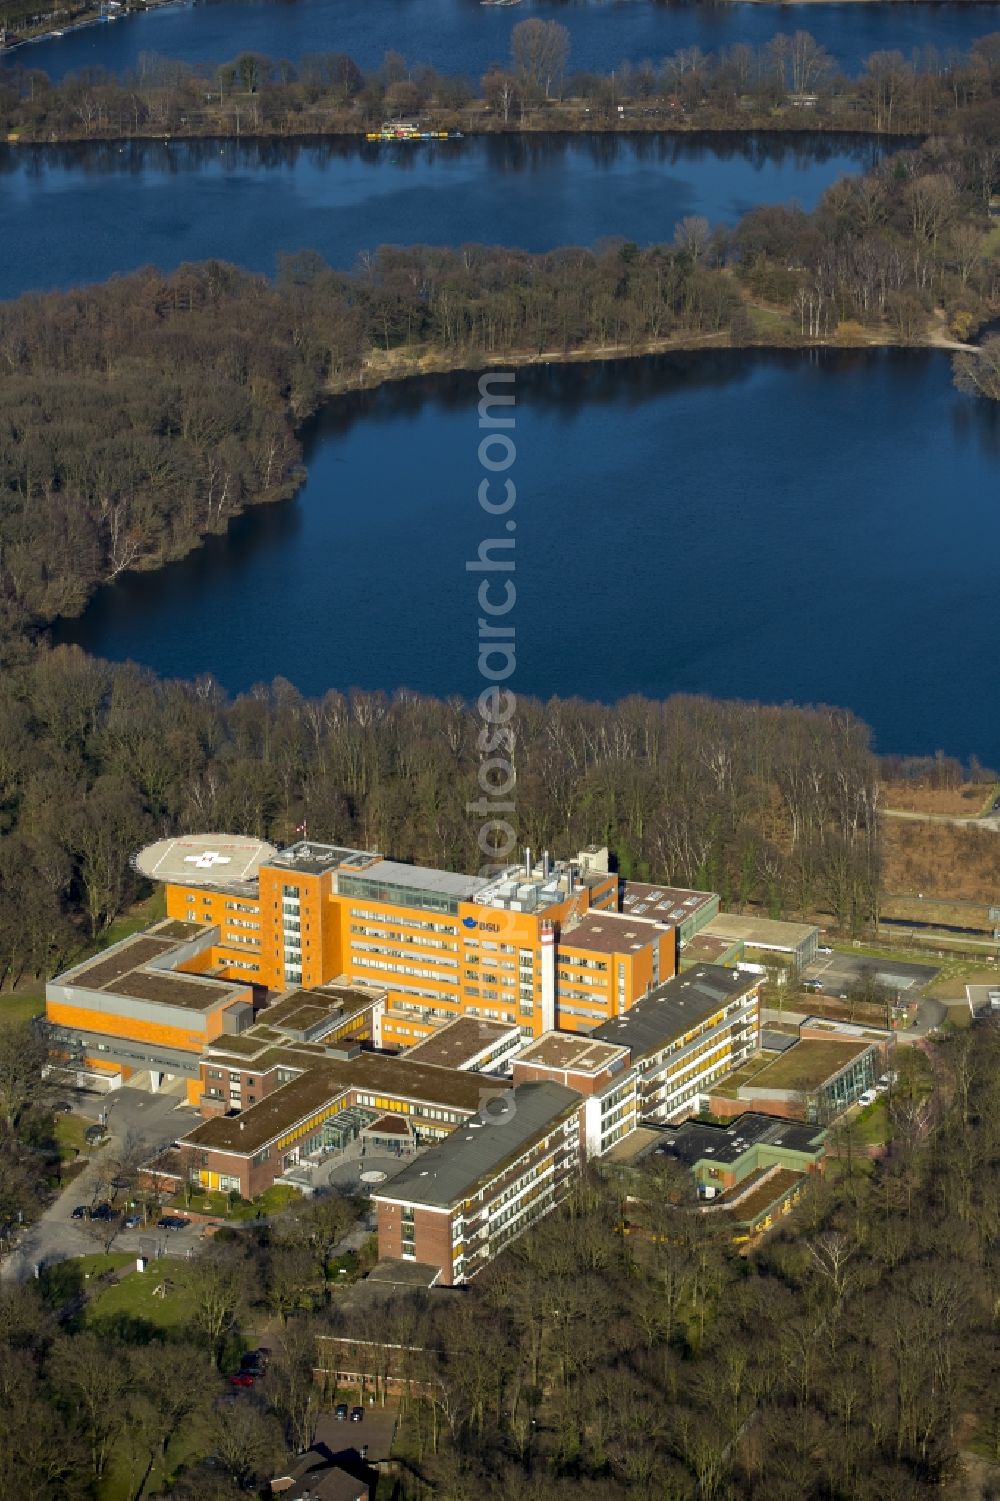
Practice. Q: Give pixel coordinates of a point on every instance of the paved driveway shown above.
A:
(839, 972)
(153, 1120)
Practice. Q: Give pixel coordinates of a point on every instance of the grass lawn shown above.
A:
(64, 1279)
(837, 1170)
(767, 320)
(728, 1086)
(991, 245)
(69, 1137)
(959, 1016)
(22, 1005)
(272, 1201)
(956, 974)
(889, 953)
(125, 1467)
(134, 1296)
(344, 1269)
(940, 913)
(873, 1124)
(136, 918)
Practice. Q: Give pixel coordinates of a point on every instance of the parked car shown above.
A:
(93, 1135)
(132, 1221)
(253, 1364)
(62, 1107)
(357, 1414)
(340, 1412)
(104, 1212)
(172, 1222)
(812, 985)
(242, 1378)
(868, 1098)
(81, 1212)
(824, 948)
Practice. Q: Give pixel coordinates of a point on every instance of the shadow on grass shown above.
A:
(126, 1329)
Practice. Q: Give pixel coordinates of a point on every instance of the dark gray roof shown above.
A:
(472, 1153)
(673, 1008)
(776, 1042)
(695, 1140)
(314, 859)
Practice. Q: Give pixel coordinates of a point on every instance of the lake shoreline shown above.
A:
(395, 367)
(51, 33)
(533, 129)
(585, 431)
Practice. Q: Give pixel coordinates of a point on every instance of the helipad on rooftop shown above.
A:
(204, 859)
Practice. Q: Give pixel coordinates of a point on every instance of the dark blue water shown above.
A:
(462, 36)
(75, 214)
(782, 526)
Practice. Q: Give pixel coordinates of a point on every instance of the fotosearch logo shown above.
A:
(496, 596)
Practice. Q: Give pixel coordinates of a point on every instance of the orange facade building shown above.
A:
(542, 945)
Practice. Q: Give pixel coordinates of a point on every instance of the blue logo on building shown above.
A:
(469, 922)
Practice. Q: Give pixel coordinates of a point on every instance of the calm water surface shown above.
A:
(463, 36)
(789, 527)
(76, 214)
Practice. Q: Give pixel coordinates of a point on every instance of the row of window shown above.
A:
(428, 974)
(403, 1107)
(424, 924)
(444, 960)
(395, 935)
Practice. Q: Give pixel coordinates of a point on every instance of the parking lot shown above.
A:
(841, 973)
(152, 1120)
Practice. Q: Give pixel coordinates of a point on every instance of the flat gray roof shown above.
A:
(421, 878)
(761, 932)
(315, 858)
(474, 1153)
(669, 904)
(674, 1008)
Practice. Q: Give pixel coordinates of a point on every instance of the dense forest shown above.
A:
(112, 1404)
(850, 1355)
(139, 415)
(790, 82)
(775, 805)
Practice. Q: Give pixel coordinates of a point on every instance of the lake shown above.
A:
(76, 214)
(790, 526)
(463, 36)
